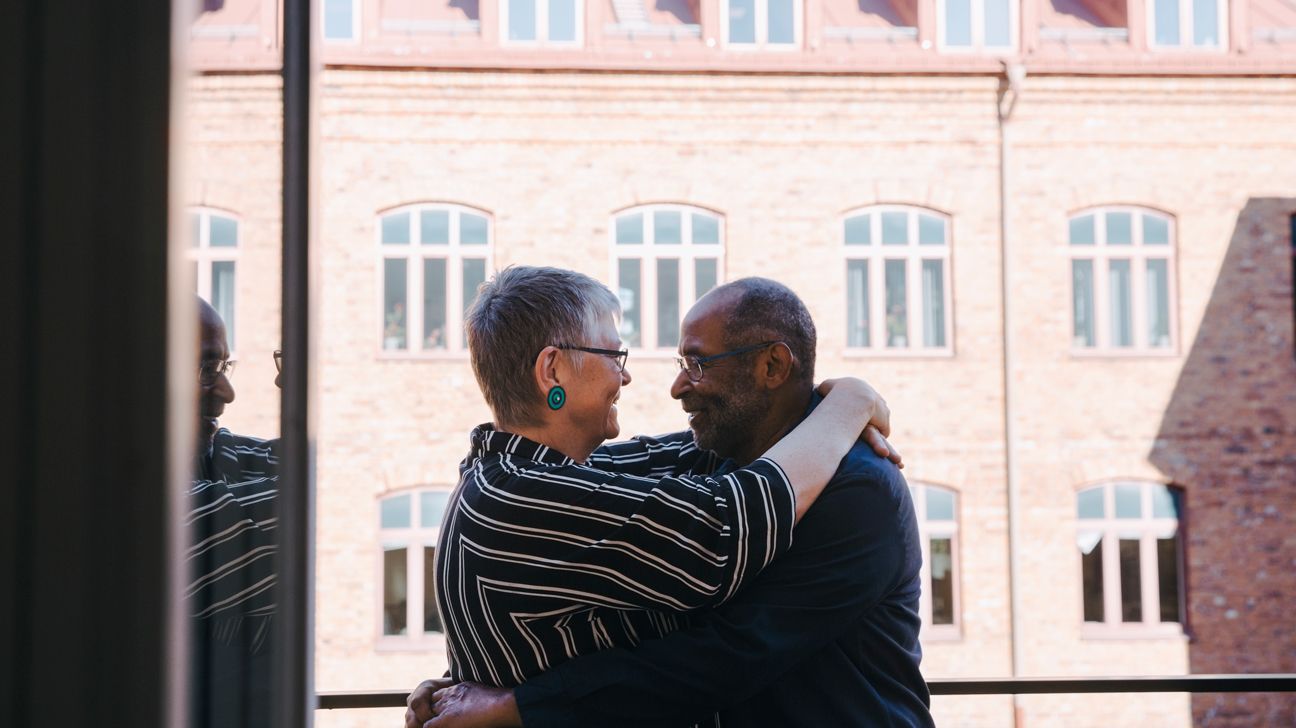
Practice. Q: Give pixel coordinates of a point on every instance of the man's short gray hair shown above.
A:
(766, 310)
(517, 313)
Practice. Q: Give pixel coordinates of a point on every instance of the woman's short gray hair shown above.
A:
(518, 312)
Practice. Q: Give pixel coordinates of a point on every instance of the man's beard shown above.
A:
(725, 422)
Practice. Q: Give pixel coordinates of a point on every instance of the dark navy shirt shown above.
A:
(827, 635)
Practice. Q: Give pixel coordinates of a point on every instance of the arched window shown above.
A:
(1131, 556)
(937, 511)
(409, 525)
(897, 280)
(664, 257)
(434, 256)
(1122, 280)
(214, 244)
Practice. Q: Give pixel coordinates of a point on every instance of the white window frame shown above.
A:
(1138, 254)
(414, 254)
(1186, 28)
(1147, 529)
(414, 540)
(204, 255)
(542, 27)
(978, 29)
(927, 530)
(356, 15)
(649, 252)
(913, 253)
(762, 28)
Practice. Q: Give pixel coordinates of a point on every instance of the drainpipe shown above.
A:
(1009, 91)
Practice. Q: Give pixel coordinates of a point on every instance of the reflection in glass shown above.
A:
(562, 20)
(1089, 504)
(1158, 302)
(224, 232)
(1168, 578)
(1165, 502)
(942, 581)
(1167, 22)
(1120, 228)
(706, 229)
(431, 617)
(1156, 230)
(897, 317)
(472, 229)
(704, 276)
(857, 303)
(1082, 230)
(629, 290)
(339, 19)
(742, 21)
(781, 21)
(396, 229)
(629, 229)
(1082, 303)
(1119, 303)
(432, 505)
(940, 504)
(395, 512)
(998, 27)
(222, 295)
(931, 230)
(858, 230)
(667, 227)
(434, 303)
(668, 304)
(434, 227)
(1091, 564)
(395, 589)
(1129, 500)
(1131, 581)
(521, 19)
(958, 22)
(895, 228)
(474, 274)
(393, 303)
(1205, 23)
(933, 290)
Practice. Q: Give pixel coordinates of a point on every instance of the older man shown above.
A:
(827, 635)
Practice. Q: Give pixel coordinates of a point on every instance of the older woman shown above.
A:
(551, 548)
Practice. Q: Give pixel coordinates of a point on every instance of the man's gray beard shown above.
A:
(732, 419)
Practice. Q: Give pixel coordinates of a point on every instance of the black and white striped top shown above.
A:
(542, 559)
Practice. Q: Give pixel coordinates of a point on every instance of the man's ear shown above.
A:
(546, 369)
(777, 366)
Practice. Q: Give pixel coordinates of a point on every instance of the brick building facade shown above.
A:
(1074, 287)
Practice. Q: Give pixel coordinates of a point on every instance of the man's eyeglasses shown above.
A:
(209, 370)
(278, 360)
(694, 365)
(619, 356)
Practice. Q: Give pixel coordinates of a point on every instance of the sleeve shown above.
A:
(847, 559)
(654, 457)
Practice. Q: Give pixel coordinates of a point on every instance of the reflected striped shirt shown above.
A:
(542, 559)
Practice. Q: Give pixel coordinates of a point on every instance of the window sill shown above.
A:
(405, 643)
(1093, 632)
(897, 353)
(453, 356)
(1171, 352)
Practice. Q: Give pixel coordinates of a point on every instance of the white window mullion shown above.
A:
(913, 297)
(414, 301)
(414, 589)
(1102, 315)
(1139, 301)
(877, 302)
(648, 296)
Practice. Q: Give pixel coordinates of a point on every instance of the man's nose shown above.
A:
(223, 389)
(625, 377)
(682, 385)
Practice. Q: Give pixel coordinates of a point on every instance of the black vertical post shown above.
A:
(295, 689)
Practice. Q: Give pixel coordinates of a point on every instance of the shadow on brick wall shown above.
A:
(1229, 439)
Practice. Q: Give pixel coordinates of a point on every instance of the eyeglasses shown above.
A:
(209, 370)
(693, 365)
(278, 360)
(619, 356)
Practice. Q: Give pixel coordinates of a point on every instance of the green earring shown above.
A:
(557, 398)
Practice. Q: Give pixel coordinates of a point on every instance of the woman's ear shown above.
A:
(546, 368)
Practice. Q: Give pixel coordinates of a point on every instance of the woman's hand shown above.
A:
(879, 425)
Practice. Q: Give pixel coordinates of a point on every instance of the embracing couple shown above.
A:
(657, 581)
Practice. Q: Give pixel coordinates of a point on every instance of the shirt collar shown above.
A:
(486, 440)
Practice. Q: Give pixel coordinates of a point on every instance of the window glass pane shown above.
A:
(897, 318)
(395, 511)
(474, 274)
(432, 505)
(1130, 581)
(1165, 502)
(1156, 230)
(222, 295)
(958, 22)
(704, 276)
(1167, 22)
(1089, 504)
(931, 230)
(933, 282)
(338, 20)
(629, 229)
(1091, 566)
(224, 232)
(1120, 228)
(434, 303)
(1082, 230)
(1205, 23)
(396, 229)
(1082, 303)
(706, 229)
(521, 19)
(1158, 303)
(667, 227)
(942, 581)
(562, 20)
(1122, 328)
(1129, 501)
(394, 303)
(858, 230)
(857, 303)
(668, 307)
(431, 617)
(742, 21)
(434, 227)
(895, 228)
(629, 288)
(472, 229)
(395, 588)
(781, 22)
(1168, 578)
(998, 27)
(195, 229)
(940, 505)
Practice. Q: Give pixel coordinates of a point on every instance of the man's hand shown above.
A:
(879, 425)
(444, 704)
